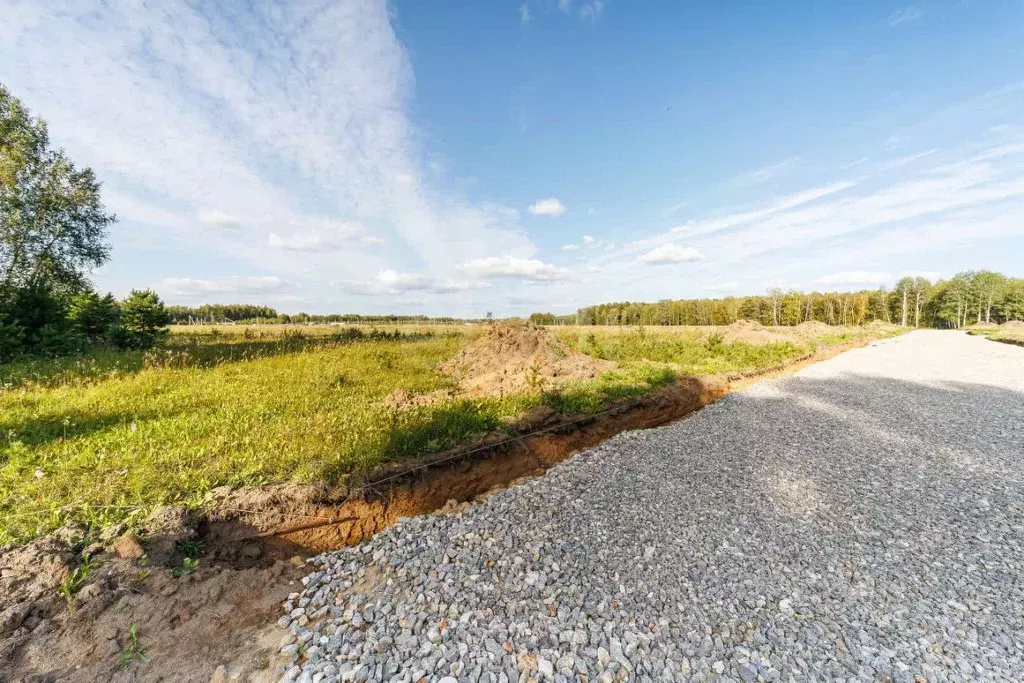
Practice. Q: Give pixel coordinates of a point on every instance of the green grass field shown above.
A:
(108, 436)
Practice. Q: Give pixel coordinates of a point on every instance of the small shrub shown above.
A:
(143, 322)
(714, 342)
(76, 579)
(134, 652)
(188, 566)
(190, 548)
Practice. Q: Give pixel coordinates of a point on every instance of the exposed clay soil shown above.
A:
(187, 625)
(517, 355)
(813, 327)
(752, 333)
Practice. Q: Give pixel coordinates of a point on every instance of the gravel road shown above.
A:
(861, 520)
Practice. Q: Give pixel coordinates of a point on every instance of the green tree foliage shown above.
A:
(968, 297)
(53, 229)
(143, 321)
(1011, 307)
(53, 226)
(219, 313)
(93, 316)
(542, 318)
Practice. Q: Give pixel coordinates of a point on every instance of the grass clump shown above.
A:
(75, 579)
(133, 651)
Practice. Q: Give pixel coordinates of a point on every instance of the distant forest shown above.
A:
(248, 313)
(970, 297)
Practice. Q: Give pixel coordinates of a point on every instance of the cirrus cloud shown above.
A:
(233, 284)
(670, 253)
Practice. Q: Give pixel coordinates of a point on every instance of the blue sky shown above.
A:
(465, 156)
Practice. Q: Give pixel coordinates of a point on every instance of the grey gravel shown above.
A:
(861, 520)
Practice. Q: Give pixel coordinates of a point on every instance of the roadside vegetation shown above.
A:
(107, 436)
(1011, 332)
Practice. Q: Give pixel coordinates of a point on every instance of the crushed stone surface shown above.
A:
(860, 520)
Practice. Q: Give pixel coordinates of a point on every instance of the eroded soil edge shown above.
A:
(289, 519)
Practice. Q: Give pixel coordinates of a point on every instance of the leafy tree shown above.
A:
(53, 226)
(1011, 307)
(902, 294)
(143, 320)
(988, 287)
(921, 288)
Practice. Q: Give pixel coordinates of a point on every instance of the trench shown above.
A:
(269, 523)
(257, 526)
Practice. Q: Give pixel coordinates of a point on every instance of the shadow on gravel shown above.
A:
(853, 449)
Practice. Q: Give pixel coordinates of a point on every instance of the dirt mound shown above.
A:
(515, 356)
(751, 332)
(813, 327)
(1013, 325)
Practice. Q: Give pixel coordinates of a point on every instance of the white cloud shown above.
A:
(217, 217)
(524, 13)
(855, 277)
(907, 14)
(331, 237)
(512, 267)
(213, 287)
(588, 242)
(722, 287)
(547, 207)
(283, 117)
(391, 281)
(670, 253)
(565, 5)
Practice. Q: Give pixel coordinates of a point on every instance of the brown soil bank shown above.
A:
(516, 355)
(287, 517)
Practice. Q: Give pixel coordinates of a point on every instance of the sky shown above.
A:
(460, 157)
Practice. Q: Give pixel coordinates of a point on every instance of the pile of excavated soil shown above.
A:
(813, 327)
(1013, 325)
(752, 332)
(515, 356)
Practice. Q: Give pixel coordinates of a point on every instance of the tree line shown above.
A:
(969, 297)
(265, 315)
(53, 230)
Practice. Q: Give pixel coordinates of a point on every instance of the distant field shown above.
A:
(107, 436)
